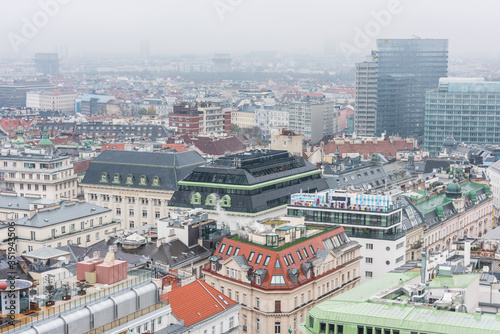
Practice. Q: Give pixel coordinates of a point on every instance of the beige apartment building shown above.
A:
(57, 225)
(280, 274)
(37, 175)
(282, 139)
(243, 119)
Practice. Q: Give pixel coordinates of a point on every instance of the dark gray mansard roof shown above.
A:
(169, 167)
(267, 166)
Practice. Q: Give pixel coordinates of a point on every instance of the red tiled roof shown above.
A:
(366, 149)
(14, 123)
(81, 166)
(197, 301)
(219, 147)
(282, 269)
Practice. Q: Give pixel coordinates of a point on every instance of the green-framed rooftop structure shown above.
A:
(376, 308)
(249, 183)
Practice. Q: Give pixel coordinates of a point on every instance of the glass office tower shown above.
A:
(467, 109)
(406, 69)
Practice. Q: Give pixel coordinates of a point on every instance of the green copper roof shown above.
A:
(354, 308)
(456, 281)
(405, 318)
(375, 286)
(454, 188)
(432, 203)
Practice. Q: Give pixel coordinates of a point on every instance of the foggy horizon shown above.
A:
(240, 27)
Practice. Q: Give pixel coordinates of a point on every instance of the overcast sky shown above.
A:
(205, 27)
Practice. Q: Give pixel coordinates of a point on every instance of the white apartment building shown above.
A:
(37, 175)
(57, 225)
(61, 100)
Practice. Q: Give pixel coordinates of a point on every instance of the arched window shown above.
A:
(210, 200)
(130, 179)
(117, 178)
(104, 177)
(156, 181)
(225, 201)
(196, 198)
(143, 180)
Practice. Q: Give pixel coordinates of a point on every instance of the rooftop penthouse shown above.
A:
(362, 215)
(250, 182)
(283, 253)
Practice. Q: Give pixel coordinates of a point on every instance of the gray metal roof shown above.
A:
(67, 211)
(45, 253)
(16, 202)
(169, 167)
(241, 262)
(494, 234)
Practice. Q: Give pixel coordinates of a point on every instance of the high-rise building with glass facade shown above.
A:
(406, 69)
(467, 109)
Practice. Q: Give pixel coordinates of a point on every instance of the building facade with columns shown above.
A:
(137, 186)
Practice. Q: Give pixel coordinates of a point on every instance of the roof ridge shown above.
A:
(210, 294)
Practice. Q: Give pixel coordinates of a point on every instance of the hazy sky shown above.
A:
(238, 26)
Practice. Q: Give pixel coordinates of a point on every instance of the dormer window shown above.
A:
(130, 179)
(143, 180)
(196, 198)
(225, 201)
(257, 280)
(116, 178)
(156, 181)
(104, 177)
(210, 201)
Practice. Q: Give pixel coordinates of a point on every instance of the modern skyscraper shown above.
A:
(47, 63)
(467, 109)
(406, 69)
(365, 123)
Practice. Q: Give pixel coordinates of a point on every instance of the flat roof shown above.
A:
(375, 286)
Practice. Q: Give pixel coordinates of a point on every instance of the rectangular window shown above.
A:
(229, 250)
(221, 250)
(257, 324)
(266, 261)
(277, 328)
(305, 252)
(369, 260)
(291, 258)
(399, 259)
(312, 250)
(144, 213)
(368, 274)
(257, 302)
(286, 260)
(259, 257)
(401, 244)
(250, 257)
(300, 255)
(369, 246)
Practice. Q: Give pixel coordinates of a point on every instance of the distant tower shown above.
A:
(222, 63)
(47, 63)
(145, 48)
